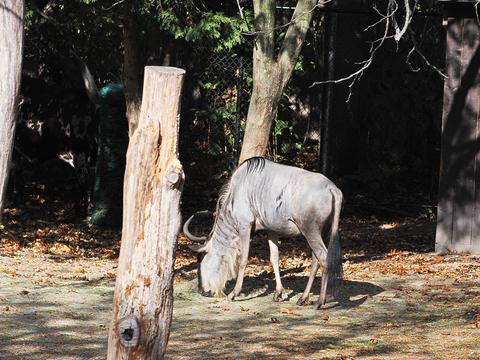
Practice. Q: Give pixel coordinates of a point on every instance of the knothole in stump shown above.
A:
(129, 331)
(175, 177)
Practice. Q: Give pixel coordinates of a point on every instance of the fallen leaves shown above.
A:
(60, 249)
(45, 232)
(9, 271)
(406, 263)
(289, 311)
(109, 275)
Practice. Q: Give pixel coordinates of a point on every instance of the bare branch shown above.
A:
(382, 17)
(412, 50)
(374, 47)
(296, 18)
(111, 7)
(388, 19)
(240, 10)
(408, 18)
(423, 57)
(477, 2)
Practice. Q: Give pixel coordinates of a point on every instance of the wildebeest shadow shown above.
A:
(352, 293)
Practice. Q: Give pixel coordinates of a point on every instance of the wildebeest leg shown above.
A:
(244, 247)
(314, 238)
(322, 299)
(313, 272)
(273, 244)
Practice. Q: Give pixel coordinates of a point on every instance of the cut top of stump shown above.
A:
(168, 70)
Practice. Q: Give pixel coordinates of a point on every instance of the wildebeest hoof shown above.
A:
(318, 306)
(302, 301)
(231, 296)
(327, 304)
(205, 293)
(277, 296)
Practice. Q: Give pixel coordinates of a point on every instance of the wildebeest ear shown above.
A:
(198, 248)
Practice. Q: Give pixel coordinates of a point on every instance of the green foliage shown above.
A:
(93, 30)
(168, 21)
(221, 112)
(81, 26)
(213, 30)
(285, 138)
(299, 64)
(28, 17)
(218, 31)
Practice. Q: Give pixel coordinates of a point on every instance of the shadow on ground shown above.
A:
(68, 321)
(370, 322)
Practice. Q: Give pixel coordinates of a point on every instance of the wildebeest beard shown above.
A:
(221, 261)
(200, 257)
(216, 270)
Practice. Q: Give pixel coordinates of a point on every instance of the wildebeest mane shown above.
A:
(224, 239)
(255, 164)
(223, 194)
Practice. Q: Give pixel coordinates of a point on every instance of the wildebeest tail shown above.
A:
(334, 268)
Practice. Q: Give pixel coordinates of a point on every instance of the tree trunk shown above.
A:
(11, 47)
(261, 114)
(329, 71)
(270, 73)
(142, 305)
(132, 68)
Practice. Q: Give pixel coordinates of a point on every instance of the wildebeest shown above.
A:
(284, 200)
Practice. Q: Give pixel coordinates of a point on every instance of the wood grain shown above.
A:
(151, 222)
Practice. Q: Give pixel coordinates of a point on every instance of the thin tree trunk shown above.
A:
(132, 68)
(11, 48)
(143, 301)
(271, 73)
(261, 114)
(327, 112)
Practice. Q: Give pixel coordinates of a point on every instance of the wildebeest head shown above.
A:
(218, 260)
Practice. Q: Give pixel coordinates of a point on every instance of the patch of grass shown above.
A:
(103, 291)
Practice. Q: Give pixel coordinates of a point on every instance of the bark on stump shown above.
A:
(143, 301)
(11, 46)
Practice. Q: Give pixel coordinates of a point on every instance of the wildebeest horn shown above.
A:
(197, 248)
(188, 234)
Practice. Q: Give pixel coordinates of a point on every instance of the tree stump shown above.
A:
(143, 301)
(11, 47)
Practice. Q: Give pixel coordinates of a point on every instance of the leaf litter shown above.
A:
(394, 283)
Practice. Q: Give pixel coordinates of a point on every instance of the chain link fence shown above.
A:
(227, 87)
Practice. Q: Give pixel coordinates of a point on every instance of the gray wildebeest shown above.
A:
(283, 200)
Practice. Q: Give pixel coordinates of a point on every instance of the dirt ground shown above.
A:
(399, 301)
